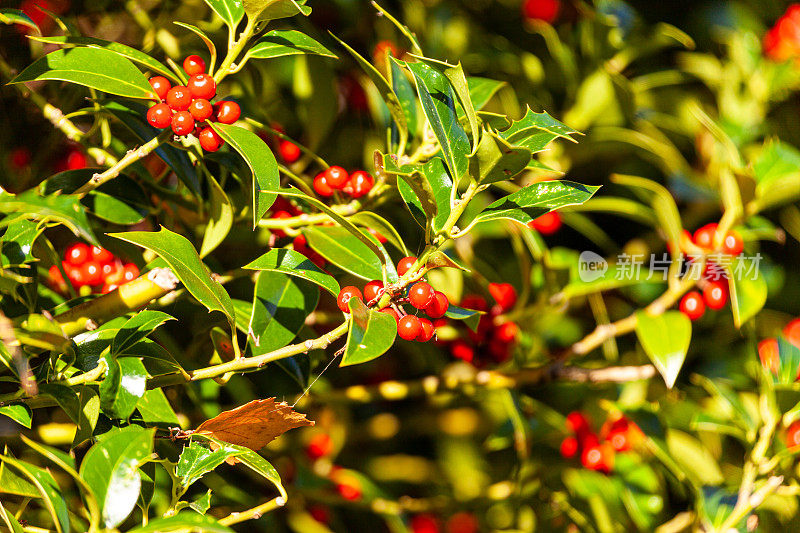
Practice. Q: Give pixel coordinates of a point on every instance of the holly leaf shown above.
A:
(124, 384)
(295, 264)
(281, 43)
(230, 11)
(665, 339)
(370, 335)
(535, 200)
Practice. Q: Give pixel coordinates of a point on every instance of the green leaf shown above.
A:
(254, 461)
(262, 163)
(13, 482)
(128, 52)
(17, 242)
(430, 185)
(220, 218)
(470, 317)
(66, 398)
(341, 248)
(181, 256)
(404, 91)
(788, 361)
(275, 9)
(694, 458)
(16, 16)
(385, 89)
(663, 203)
(747, 287)
(112, 209)
(19, 413)
(89, 402)
(280, 43)
(47, 488)
(203, 503)
(370, 335)
(776, 161)
(536, 130)
(96, 68)
(111, 468)
(535, 200)
(497, 160)
(124, 384)
(155, 409)
(197, 460)
(368, 219)
(481, 90)
(66, 210)
(137, 328)
(212, 48)
(280, 307)
(230, 11)
(11, 523)
(438, 104)
(188, 520)
(295, 264)
(665, 339)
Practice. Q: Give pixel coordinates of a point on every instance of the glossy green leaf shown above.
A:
(203, 503)
(253, 461)
(230, 11)
(155, 410)
(8, 519)
(275, 9)
(181, 256)
(368, 219)
(535, 131)
(385, 89)
(295, 264)
(404, 91)
(48, 489)
(280, 308)
(481, 90)
(96, 68)
(788, 361)
(66, 210)
(197, 459)
(430, 185)
(14, 482)
(19, 413)
(111, 468)
(112, 209)
(665, 339)
(370, 335)
(187, 520)
(124, 384)
(89, 402)
(261, 161)
(220, 218)
(497, 160)
(776, 161)
(16, 16)
(470, 317)
(280, 43)
(66, 398)
(747, 287)
(535, 200)
(16, 244)
(341, 248)
(438, 104)
(137, 328)
(128, 52)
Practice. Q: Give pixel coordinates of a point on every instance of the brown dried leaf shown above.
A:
(254, 424)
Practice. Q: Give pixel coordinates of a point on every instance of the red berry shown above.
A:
(769, 354)
(599, 457)
(320, 514)
(475, 302)
(392, 312)
(201, 109)
(336, 177)
(228, 112)
(692, 305)
(321, 186)
(424, 523)
(359, 184)
(350, 490)
(460, 349)
(793, 435)
(114, 273)
(547, 224)
(161, 86)
(463, 522)
(194, 65)
(130, 272)
(504, 294)
(210, 140)
(438, 306)
(344, 297)
(20, 158)
(578, 423)
(101, 255)
(506, 332)
(426, 330)
(183, 123)
(92, 273)
(179, 98)
(704, 237)
(420, 295)
(372, 290)
(77, 254)
(320, 445)
(75, 275)
(792, 332)
(569, 447)
(289, 151)
(716, 294)
(733, 244)
(159, 116)
(405, 264)
(409, 327)
(76, 160)
(202, 86)
(54, 276)
(544, 10)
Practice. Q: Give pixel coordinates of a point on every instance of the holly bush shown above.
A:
(427, 266)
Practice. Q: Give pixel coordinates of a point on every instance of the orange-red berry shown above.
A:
(289, 151)
(405, 265)
(409, 327)
(692, 305)
(359, 184)
(504, 294)
(438, 306)
(420, 295)
(544, 10)
(179, 98)
(182, 123)
(547, 224)
(194, 65)
(202, 86)
(161, 86)
(704, 237)
(228, 112)
(210, 139)
(77, 254)
(336, 177)
(159, 116)
(201, 109)
(345, 295)
(715, 294)
(733, 243)
(372, 290)
(321, 186)
(426, 330)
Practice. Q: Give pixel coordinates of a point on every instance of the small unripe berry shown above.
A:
(210, 140)
(182, 123)
(336, 177)
(420, 295)
(159, 116)
(504, 294)
(409, 327)
(372, 290)
(426, 330)
(201, 109)
(161, 86)
(405, 265)
(179, 98)
(344, 297)
(321, 186)
(692, 305)
(77, 254)
(715, 294)
(228, 112)
(438, 306)
(202, 86)
(194, 65)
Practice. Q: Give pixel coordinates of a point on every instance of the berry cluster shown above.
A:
(715, 280)
(355, 184)
(597, 451)
(768, 348)
(93, 267)
(544, 10)
(420, 295)
(547, 224)
(493, 336)
(188, 109)
(782, 41)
